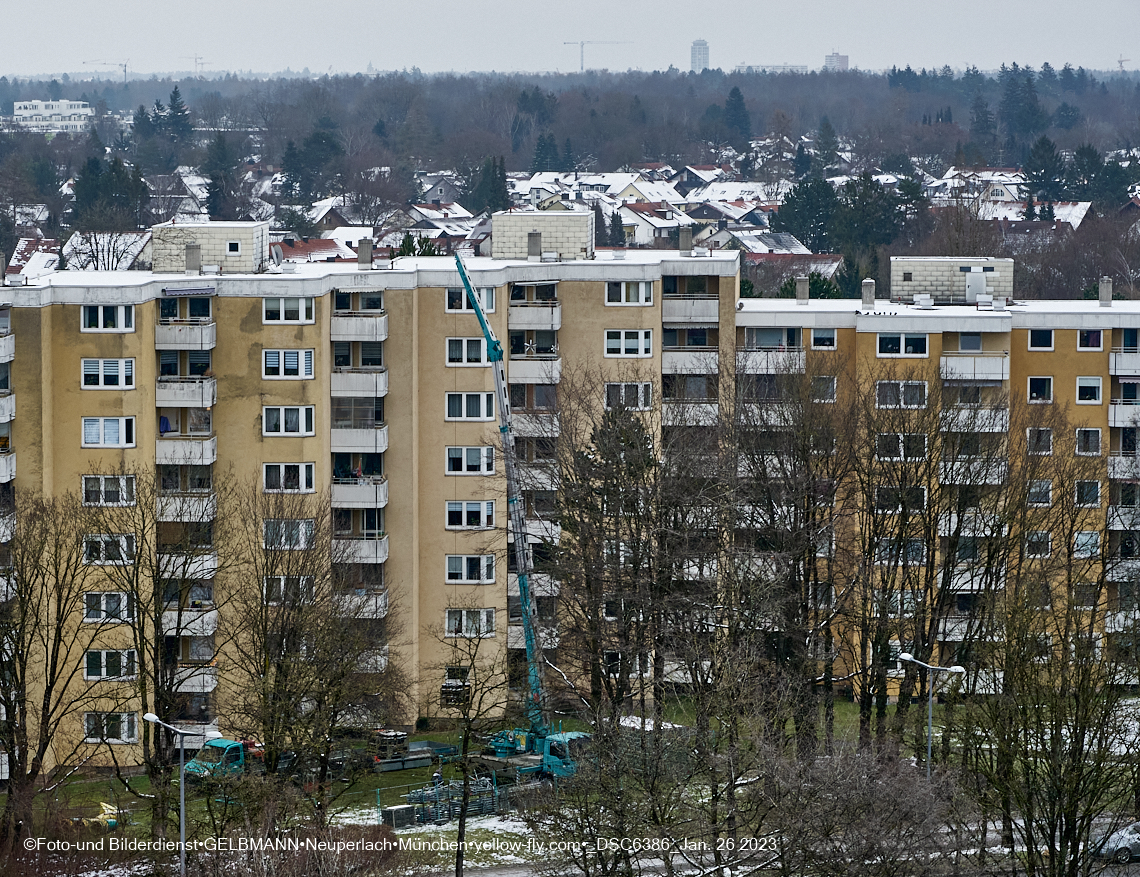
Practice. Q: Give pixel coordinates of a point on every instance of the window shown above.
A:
(629, 342)
(357, 412)
(470, 515)
(1088, 494)
(900, 446)
(471, 569)
(108, 489)
(108, 318)
(112, 664)
(906, 551)
(289, 533)
(198, 362)
(293, 365)
(456, 689)
(823, 388)
(1040, 492)
(1040, 339)
(823, 339)
(470, 406)
(478, 460)
(1089, 339)
(233, 248)
(896, 344)
(896, 499)
(900, 394)
(630, 292)
(108, 432)
(1086, 543)
(289, 477)
(1088, 442)
(1038, 543)
(1088, 391)
(287, 420)
(108, 606)
(634, 396)
(111, 374)
(1041, 390)
(198, 307)
(1039, 440)
(470, 622)
(110, 727)
(288, 589)
(112, 549)
(287, 310)
(967, 550)
(532, 342)
(466, 351)
(969, 341)
(457, 299)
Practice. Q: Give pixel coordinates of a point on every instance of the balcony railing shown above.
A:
(191, 334)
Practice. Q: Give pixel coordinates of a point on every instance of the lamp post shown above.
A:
(151, 717)
(907, 656)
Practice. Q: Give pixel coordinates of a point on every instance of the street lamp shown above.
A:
(907, 656)
(151, 717)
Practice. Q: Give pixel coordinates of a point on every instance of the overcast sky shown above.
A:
(513, 35)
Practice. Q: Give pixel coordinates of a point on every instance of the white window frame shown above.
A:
(902, 437)
(895, 509)
(1086, 543)
(123, 314)
(902, 385)
(273, 589)
(305, 414)
(124, 369)
(644, 394)
(125, 425)
(1098, 347)
(486, 457)
(125, 615)
(1029, 339)
(827, 397)
(486, 569)
(1099, 443)
(1040, 486)
(485, 293)
(306, 310)
(484, 508)
(127, 721)
(1029, 393)
(1029, 444)
(1035, 535)
(306, 477)
(903, 337)
(1077, 495)
(126, 543)
(1085, 382)
(834, 340)
(305, 366)
(465, 343)
(301, 541)
(126, 485)
(487, 406)
(884, 546)
(641, 290)
(469, 621)
(644, 339)
(233, 248)
(128, 658)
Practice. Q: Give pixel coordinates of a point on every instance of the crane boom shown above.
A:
(536, 698)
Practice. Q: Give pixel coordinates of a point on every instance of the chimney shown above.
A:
(685, 238)
(868, 294)
(534, 246)
(802, 290)
(364, 254)
(1106, 292)
(193, 258)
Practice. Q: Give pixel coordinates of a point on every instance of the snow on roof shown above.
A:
(348, 235)
(770, 242)
(1072, 212)
(443, 210)
(741, 191)
(658, 191)
(294, 249)
(34, 257)
(104, 251)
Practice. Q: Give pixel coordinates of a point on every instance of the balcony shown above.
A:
(1124, 412)
(977, 471)
(373, 661)
(702, 309)
(972, 525)
(1122, 517)
(373, 440)
(363, 604)
(534, 425)
(369, 383)
(537, 315)
(360, 493)
(546, 634)
(689, 361)
(976, 577)
(186, 335)
(540, 530)
(201, 564)
(174, 449)
(195, 678)
(541, 585)
(1121, 621)
(976, 418)
(7, 465)
(1124, 362)
(975, 365)
(1124, 466)
(689, 412)
(361, 547)
(539, 475)
(7, 346)
(773, 360)
(1123, 569)
(193, 622)
(7, 406)
(186, 392)
(535, 369)
(193, 507)
(7, 524)
(359, 326)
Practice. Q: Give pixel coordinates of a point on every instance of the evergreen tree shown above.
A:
(178, 124)
(617, 233)
(1030, 212)
(983, 128)
(143, 125)
(736, 117)
(500, 194)
(569, 160)
(545, 154)
(1047, 213)
(807, 213)
(1044, 172)
(801, 166)
(601, 232)
(826, 144)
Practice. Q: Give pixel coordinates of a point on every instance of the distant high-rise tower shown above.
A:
(699, 56)
(834, 61)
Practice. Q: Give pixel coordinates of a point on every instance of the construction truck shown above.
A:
(222, 758)
(534, 752)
